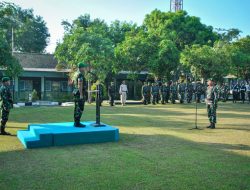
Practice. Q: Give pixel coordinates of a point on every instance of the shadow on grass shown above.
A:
(135, 162)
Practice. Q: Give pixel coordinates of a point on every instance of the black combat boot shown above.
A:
(78, 124)
(3, 132)
(213, 126)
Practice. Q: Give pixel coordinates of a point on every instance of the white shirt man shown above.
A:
(123, 92)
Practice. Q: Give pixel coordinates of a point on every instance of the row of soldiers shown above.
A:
(172, 91)
(240, 91)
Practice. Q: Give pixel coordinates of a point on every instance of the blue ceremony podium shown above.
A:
(63, 134)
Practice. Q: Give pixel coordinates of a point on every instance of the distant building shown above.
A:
(40, 74)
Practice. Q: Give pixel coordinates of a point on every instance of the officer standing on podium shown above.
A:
(79, 92)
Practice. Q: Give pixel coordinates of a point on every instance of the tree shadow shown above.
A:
(153, 159)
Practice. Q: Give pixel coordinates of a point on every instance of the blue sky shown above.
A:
(217, 13)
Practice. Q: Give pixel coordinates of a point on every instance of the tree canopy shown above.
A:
(30, 31)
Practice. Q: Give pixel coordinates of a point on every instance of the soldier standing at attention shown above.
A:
(79, 92)
(6, 103)
(181, 91)
(149, 93)
(236, 91)
(158, 92)
(173, 91)
(243, 90)
(224, 92)
(123, 92)
(211, 102)
(111, 93)
(154, 93)
(145, 91)
(189, 90)
(164, 93)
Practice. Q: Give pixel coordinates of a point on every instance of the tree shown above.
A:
(85, 44)
(9, 63)
(179, 27)
(163, 57)
(30, 31)
(206, 61)
(240, 54)
(229, 35)
(118, 31)
(132, 55)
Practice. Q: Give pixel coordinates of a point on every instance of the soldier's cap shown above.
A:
(5, 79)
(82, 65)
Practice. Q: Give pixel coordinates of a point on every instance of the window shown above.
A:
(55, 86)
(64, 86)
(48, 86)
(22, 85)
(25, 85)
(28, 85)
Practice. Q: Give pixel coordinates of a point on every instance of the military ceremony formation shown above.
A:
(124, 95)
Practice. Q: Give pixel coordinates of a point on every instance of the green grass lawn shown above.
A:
(156, 151)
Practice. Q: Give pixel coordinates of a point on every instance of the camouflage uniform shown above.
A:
(165, 93)
(236, 92)
(243, 90)
(145, 94)
(224, 92)
(181, 91)
(211, 101)
(6, 105)
(111, 93)
(173, 91)
(154, 93)
(219, 92)
(189, 90)
(79, 103)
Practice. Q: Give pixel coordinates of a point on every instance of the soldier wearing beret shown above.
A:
(211, 101)
(79, 92)
(6, 103)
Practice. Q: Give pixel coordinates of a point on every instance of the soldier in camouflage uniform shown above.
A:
(154, 93)
(79, 92)
(211, 101)
(236, 92)
(219, 91)
(165, 92)
(173, 91)
(189, 90)
(181, 91)
(224, 92)
(6, 103)
(111, 93)
(145, 91)
(158, 97)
